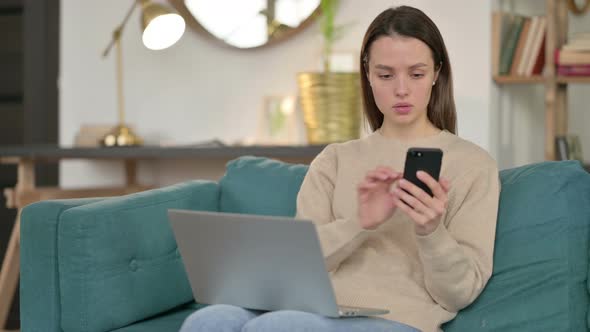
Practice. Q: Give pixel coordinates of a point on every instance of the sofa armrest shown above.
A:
(117, 260)
(39, 284)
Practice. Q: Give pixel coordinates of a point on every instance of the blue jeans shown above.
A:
(227, 318)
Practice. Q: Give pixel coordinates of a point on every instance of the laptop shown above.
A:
(257, 262)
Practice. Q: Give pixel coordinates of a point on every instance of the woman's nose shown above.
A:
(401, 87)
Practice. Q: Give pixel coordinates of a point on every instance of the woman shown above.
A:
(387, 243)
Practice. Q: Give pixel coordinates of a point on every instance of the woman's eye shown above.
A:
(417, 75)
(385, 76)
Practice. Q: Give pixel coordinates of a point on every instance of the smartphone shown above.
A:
(422, 159)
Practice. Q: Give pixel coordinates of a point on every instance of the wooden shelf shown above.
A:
(539, 79)
(573, 79)
(518, 79)
(555, 86)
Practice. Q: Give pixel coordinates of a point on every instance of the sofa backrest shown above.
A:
(539, 279)
(257, 185)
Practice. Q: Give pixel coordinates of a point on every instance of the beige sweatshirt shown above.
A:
(422, 280)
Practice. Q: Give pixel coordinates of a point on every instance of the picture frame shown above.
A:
(277, 123)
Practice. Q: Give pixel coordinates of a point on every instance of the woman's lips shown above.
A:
(402, 108)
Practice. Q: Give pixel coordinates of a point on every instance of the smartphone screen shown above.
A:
(422, 159)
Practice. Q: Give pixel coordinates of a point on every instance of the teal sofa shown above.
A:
(111, 264)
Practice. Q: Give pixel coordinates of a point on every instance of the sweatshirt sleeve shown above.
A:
(338, 237)
(457, 256)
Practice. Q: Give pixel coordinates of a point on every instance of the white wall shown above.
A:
(198, 90)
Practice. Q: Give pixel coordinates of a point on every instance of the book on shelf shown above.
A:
(568, 147)
(523, 38)
(579, 46)
(536, 67)
(536, 62)
(528, 41)
(578, 42)
(576, 52)
(509, 43)
(561, 149)
(500, 23)
(568, 57)
(518, 44)
(573, 70)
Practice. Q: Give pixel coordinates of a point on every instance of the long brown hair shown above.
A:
(411, 22)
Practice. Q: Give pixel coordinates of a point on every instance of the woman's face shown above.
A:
(401, 72)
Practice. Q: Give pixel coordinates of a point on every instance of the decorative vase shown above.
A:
(331, 106)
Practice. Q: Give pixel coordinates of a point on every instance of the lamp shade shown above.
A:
(161, 27)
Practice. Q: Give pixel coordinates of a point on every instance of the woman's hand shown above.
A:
(376, 202)
(425, 211)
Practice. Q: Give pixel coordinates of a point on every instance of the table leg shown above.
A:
(131, 172)
(10, 272)
(11, 264)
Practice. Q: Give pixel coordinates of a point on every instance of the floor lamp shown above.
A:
(161, 29)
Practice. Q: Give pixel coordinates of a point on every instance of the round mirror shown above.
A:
(248, 24)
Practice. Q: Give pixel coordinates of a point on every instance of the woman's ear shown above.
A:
(435, 78)
(436, 72)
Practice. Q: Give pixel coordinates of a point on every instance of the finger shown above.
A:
(411, 201)
(376, 175)
(434, 186)
(364, 197)
(387, 170)
(415, 216)
(392, 198)
(364, 191)
(365, 186)
(382, 175)
(416, 191)
(446, 185)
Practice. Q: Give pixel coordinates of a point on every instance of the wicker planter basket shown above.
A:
(331, 106)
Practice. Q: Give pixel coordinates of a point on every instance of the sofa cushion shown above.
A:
(541, 253)
(118, 260)
(263, 186)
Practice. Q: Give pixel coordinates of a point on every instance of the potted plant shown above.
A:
(330, 100)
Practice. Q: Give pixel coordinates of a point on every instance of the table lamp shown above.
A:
(161, 29)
